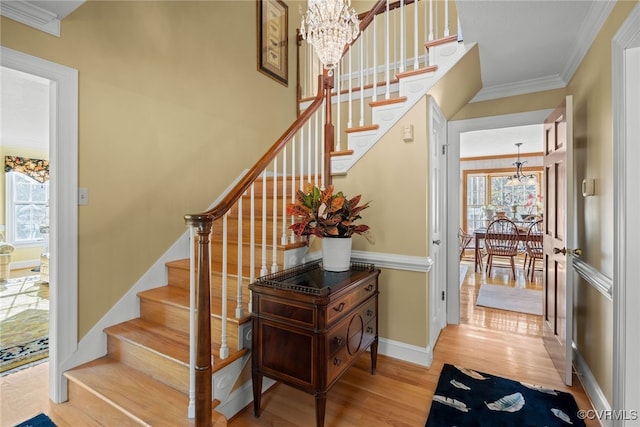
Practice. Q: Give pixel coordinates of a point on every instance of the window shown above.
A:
(27, 209)
(482, 189)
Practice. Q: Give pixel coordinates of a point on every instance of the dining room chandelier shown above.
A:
(329, 25)
(519, 177)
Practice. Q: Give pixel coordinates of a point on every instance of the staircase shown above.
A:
(145, 377)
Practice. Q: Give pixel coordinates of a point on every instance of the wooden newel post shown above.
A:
(203, 370)
(328, 126)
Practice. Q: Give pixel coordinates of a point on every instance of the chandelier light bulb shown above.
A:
(329, 25)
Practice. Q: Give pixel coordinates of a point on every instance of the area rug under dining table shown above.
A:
(469, 398)
(521, 300)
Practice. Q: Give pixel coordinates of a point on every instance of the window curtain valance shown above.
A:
(35, 168)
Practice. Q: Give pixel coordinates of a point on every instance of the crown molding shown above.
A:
(596, 17)
(31, 15)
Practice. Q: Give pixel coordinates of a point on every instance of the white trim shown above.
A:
(591, 386)
(94, 344)
(422, 356)
(63, 150)
(594, 277)
(30, 263)
(384, 260)
(587, 33)
(455, 128)
(32, 15)
(625, 320)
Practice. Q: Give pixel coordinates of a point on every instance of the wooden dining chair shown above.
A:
(527, 221)
(501, 240)
(533, 244)
(464, 239)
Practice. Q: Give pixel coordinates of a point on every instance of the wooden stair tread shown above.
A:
(179, 297)
(155, 403)
(396, 100)
(442, 40)
(418, 71)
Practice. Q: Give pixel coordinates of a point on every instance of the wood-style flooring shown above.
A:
(493, 341)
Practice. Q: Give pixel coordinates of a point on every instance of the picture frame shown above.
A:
(273, 41)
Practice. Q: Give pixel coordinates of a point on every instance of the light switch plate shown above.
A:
(83, 196)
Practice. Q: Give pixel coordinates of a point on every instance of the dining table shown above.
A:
(481, 233)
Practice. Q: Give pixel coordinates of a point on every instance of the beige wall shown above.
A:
(393, 175)
(593, 139)
(591, 91)
(172, 109)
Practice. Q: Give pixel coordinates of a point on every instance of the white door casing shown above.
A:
(63, 207)
(437, 222)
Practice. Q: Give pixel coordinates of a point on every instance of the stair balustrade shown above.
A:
(302, 154)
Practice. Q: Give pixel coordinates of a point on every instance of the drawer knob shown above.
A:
(337, 361)
(369, 313)
(339, 340)
(339, 308)
(369, 329)
(369, 288)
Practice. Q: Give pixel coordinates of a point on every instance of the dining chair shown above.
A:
(533, 245)
(527, 221)
(464, 239)
(501, 240)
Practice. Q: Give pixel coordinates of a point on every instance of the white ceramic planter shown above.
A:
(336, 253)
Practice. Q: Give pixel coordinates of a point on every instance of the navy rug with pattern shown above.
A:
(40, 420)
(468, 398)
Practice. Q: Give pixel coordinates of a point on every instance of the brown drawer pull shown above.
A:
(337, 361)
(369, 329)
(339, 340)
(339, 308)
(369, 313)
(369, 288)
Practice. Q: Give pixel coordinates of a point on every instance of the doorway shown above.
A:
(63, 208)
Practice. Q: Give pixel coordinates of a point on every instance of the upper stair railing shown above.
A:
(254, 215)
(394, 42)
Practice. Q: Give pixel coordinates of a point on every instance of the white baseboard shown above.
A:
(422, 356)
(241, 397)
(600, 402)
(94, 344)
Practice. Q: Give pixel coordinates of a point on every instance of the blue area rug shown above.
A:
(468, 398)
(40, 420)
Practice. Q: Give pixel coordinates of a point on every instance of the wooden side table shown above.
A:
(310, 326)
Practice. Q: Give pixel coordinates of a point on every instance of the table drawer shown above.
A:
(345, 304)
(351, 328)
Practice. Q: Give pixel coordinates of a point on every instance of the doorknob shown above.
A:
(564, 251)
(436, 242)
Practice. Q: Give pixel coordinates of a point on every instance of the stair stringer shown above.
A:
(413, 87)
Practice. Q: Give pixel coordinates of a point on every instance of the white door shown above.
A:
(437, 222)
(559, 237)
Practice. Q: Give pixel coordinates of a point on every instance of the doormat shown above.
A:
(465, 397)
(40, 420)
(513, 299)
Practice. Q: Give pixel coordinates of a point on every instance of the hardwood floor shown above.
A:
(493, 341)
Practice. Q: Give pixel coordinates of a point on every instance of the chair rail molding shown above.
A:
(594, 277)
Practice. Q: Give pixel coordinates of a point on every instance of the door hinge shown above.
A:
(444, 149)
(442, 295)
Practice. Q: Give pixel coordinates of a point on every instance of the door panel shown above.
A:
(558, 237)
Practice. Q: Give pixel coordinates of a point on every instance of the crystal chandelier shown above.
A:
(329, 25)
(518, 177)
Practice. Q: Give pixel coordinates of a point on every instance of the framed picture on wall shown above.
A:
(272, 39)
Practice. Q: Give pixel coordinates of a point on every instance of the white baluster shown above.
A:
(430, 20)
(239, 308)
(252, 235)
(374, 95)
(283, 239)
(416, 62)
(387, 94)
(361, 44)
(446, 18)
(263, 265)
(338, 104)
(191, 410)
(401, 35)
(292, 237)
(366, 54)
(309, 153)
(224, 348)
(316, 160)
(349, 100)
(274, 220)
(322, 152)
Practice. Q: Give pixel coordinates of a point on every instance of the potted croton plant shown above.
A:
(332, 217)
